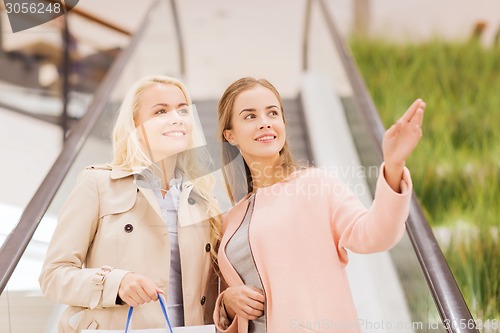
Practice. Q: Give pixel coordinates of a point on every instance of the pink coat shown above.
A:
(299, 232)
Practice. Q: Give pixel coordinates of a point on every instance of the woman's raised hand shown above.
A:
(136, 289)
(401, 138)
(245, 301)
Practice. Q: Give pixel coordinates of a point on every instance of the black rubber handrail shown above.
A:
(443, 287)
(17, 241)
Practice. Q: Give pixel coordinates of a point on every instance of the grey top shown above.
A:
(169, 206)
(240, 256)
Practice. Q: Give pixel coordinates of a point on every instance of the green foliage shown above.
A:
(473, 255)
(456, 167)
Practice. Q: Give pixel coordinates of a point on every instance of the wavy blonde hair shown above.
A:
(233, 172)
(129, 154)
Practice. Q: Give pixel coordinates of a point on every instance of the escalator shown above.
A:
(410, 285)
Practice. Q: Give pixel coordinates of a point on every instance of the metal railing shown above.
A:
(443, 287)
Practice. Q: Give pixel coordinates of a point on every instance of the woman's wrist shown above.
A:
(230, 314)
(394, 165)
(393, 173)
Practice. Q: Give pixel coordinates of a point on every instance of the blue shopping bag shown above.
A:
(168, 329)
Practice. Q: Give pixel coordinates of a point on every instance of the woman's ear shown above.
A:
(228, 135)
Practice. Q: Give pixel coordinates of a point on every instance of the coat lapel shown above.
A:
(118, 173)
(230, 274)
(151, 199)
(236, 215)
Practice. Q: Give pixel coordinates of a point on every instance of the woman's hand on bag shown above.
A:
(245, 301)
(136, 289)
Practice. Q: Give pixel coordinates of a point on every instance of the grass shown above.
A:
(479, 249)
(456, 167)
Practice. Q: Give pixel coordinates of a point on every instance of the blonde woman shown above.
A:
(144, 224)
(283, 250)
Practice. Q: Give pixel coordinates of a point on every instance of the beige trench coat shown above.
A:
(108, 227)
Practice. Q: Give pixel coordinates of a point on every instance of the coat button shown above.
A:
(128, 227)
(208, 247)
(191, 201)
(203, 300)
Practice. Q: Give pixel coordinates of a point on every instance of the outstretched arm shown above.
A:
(399, 142)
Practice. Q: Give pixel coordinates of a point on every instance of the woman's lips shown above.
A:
(174, 133)
(266, 137)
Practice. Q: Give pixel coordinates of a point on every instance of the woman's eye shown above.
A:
(274, 113)
(161, 111)
(183, 111)
(250, 116)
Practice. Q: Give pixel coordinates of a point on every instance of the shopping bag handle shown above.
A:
(163, 309)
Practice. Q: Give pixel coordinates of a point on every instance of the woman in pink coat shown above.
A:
(283, 250)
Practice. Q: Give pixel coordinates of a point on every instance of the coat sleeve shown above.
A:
(64, 278)
(221, 319)
(375, 229)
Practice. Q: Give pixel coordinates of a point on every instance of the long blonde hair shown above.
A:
(232, 171)
(129, 154)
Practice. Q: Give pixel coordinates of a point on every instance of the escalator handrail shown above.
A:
(444, 289)
(17, 241)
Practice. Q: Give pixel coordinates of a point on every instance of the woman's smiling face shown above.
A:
(164, 121)
(257, 124)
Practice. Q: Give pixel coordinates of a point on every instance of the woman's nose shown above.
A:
(264, 123)
(175, 118)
